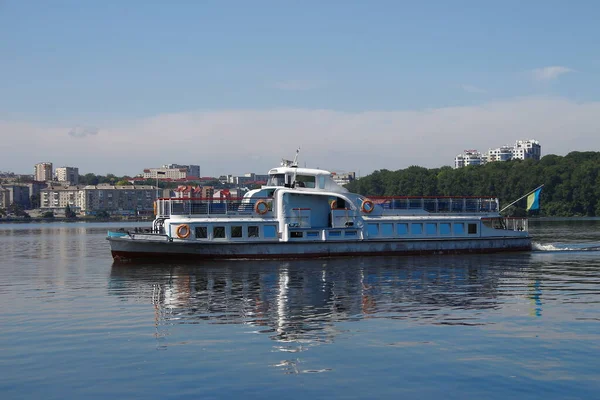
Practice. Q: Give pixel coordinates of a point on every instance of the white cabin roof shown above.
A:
(299, 171)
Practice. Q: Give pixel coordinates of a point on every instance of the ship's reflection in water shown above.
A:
(301, 303)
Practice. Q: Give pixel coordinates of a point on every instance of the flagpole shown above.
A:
(522, 197)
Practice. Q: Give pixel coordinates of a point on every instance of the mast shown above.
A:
(522, 197)
(295, 164)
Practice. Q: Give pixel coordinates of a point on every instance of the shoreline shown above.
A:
(90, 220)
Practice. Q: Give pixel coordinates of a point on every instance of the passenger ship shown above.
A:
(304, 213)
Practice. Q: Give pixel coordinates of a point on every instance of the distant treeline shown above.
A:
(571, 183)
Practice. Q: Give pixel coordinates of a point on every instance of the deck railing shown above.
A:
(439, 204)
(516, 224)
(235, 206)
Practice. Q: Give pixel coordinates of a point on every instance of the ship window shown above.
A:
(387, 229)
(201, 232)
(236, 231)
(472, 229)
(218, 232)
(496, 223)
(431, 228)
(459, 229)
(416, 229)
(252, 231)
(335, 233)
(321, 182)
(276, 180)
(350, 233)
(312, 234)
(270, 231)
(305, 181)
(373, 229)
(444, 228)
(402, 229)
(296, 234)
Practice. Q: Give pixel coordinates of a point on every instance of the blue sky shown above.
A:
(129, 70)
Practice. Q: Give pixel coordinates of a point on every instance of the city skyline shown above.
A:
(116, 87)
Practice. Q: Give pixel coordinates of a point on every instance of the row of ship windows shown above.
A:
(418, 228)
(236, 231)
(373, 229)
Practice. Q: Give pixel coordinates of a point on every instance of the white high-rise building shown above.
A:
(43, 171)
(503, 153)
(468, 157)
(67, 174)
(165, 173)
(192, 170)
(522, 150)
(525, 149)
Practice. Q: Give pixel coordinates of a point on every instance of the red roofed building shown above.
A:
(196, 192)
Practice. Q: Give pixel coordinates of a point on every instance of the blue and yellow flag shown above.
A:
(533, 200)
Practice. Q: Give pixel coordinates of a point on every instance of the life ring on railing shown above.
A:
(334, 204)
(261, 207)
(155, 207)
(183, 231)
(367, 206)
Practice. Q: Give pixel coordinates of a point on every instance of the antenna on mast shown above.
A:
(295, 163)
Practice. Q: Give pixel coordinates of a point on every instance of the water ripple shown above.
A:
(487, 326)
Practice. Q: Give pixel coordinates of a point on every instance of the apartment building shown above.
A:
(89, 200)
(43, 171)
(522, 150)
(55, 198)
(17, 193)
(503, 153)
(246, 179)
(192, 170)
(67, 174)
(163, 173)
(468, 157)
(4, 197)
(525, 149)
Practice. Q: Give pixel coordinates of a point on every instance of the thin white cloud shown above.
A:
(240, 141)
(549, 73)
(296, 85)
(472, 89)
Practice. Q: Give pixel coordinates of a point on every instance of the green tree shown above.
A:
(571, 183)
(18, 210)
(35, 201)
(89, 179)
(69, 213)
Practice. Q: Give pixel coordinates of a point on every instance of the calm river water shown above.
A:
(73, 325)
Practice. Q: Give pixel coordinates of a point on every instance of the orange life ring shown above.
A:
(367, 206)
(334, 204)
(186, 231)
(259, 210)
(155, 206)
